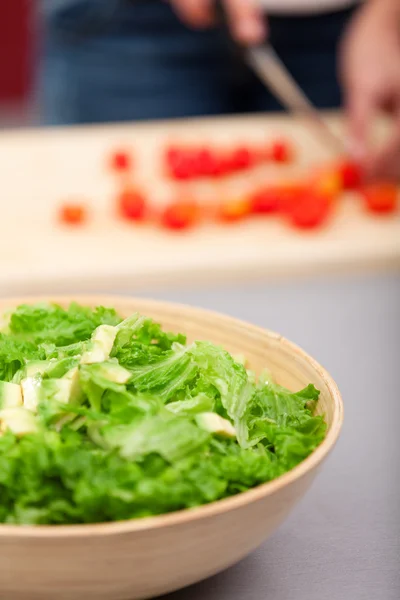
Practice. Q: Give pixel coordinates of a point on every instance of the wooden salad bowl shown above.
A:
(147, 557)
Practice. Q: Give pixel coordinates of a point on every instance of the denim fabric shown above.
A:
(115, 60)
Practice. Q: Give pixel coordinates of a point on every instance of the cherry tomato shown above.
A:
(185, 165)
(289, 195)
(211, 164)
(235, 210)
(172, 153)
(241, 158)
(282, 151)
(350, 174)
(380, 197)
(132, 205)
(204, 160)
(121, 161)
(265, 201)
(73, 214)
(224, 165)
(179, 162)
(180, 215)
(327, 182)
(311, 211)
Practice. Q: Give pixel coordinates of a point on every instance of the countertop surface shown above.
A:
(38, 254)
(343, 540)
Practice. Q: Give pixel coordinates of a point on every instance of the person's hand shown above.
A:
(245, 17)
(370, 71)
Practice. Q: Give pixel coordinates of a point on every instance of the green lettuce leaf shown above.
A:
(171, 437)
(122, 438)
(14, 353)
(53, 324)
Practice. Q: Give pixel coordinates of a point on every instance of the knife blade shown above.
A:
(273, 73)
(270, 69)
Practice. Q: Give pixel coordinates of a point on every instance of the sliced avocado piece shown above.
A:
(213, 423)
(66, 390)
(31, 392)
(31, 369)
(102, 342)
(18, 420)
(10, 395)
(75, 390)
(52, 368)
(38, 367)
(57, 395)
(112, 371)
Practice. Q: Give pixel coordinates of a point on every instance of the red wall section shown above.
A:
(16, 48)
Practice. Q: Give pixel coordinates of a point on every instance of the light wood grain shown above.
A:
(143, 558)
(41, 169)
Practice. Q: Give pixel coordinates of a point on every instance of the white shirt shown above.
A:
(298, 7)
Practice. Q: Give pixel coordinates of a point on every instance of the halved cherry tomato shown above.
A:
(235, 210)
(211, 163)
(184, 167)
(380, 197)
(311, 211)
(73, 214)
(205, 162)
(282, 151)
(327, 182)
(180, 162)
(289, 195)
(121, 161)
(350, 174)
(132, 205)
(241, 158)
(265, 200)
(180, 215)
(172, 153)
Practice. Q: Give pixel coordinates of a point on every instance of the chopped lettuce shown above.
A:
(103, 419)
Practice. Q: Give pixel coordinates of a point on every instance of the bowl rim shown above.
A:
(212, 509)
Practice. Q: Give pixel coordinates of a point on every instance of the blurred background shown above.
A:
(18, 63)
(79, 61)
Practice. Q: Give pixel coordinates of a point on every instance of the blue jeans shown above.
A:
(115, 60)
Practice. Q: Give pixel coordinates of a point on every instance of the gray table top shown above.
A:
(343, 541)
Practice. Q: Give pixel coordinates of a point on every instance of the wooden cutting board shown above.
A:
(40, 169)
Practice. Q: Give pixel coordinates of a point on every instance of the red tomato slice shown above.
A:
(121, 161)
(265, 201)
(210, 163)
(172, 153)
(327, 182)
(235, 210)
(289, 195)
(186, 165)
(381, 197)
(73, 214)
(132, 205)
(205, 162)
(282, 151)
(180, 162)
(311, 211)
(241, 158)
(350, 174)
(180, 215)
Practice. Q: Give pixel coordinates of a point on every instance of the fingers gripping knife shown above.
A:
(272, 72)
